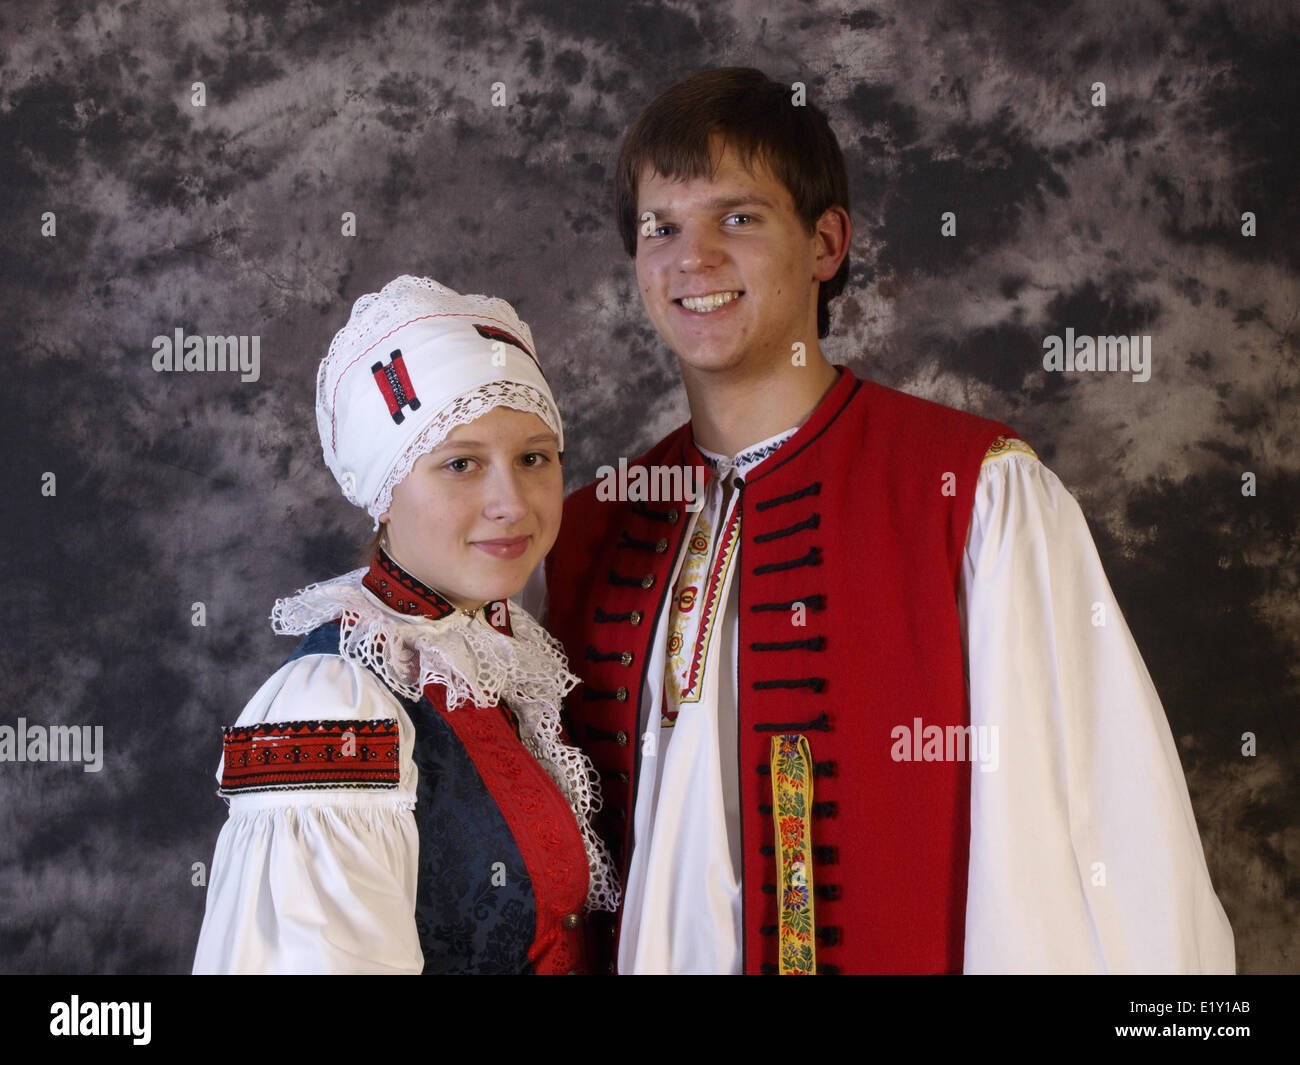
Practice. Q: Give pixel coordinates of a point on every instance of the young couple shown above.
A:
(869, 707)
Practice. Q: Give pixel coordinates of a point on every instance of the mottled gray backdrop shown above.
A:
(176, 489)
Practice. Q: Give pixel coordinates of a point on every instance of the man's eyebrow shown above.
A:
(720, 203)
(725, 202)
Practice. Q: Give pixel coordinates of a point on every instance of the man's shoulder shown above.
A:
(909, 413)
(666, 452)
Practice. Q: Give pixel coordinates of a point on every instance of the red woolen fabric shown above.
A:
(542, 824)
(891, 480)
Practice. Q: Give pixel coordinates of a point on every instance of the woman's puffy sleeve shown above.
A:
(315, 869)
(1084, 852)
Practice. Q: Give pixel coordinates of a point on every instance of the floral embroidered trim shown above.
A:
(684, 674)
(792, 790)
(310, 754)
(1004, 445)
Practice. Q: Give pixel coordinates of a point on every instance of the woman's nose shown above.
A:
(505, 498)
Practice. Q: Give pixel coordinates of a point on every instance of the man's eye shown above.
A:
(740, 218)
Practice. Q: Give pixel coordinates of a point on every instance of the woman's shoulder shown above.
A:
(317, 681)
(322, 727)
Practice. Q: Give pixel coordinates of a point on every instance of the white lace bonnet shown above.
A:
(414, 361)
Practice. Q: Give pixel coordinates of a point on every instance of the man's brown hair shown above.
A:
(754, 115)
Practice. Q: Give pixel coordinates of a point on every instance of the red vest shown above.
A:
(861, 516)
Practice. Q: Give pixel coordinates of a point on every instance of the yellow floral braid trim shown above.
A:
(792, 791)
(1005, 444)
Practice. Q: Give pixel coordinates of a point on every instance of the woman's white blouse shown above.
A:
(317, 880)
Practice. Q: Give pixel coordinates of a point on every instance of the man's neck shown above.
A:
(730, 412)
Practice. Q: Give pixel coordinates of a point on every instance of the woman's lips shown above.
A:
(513, 548)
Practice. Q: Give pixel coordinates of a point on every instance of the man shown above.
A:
(868, 704)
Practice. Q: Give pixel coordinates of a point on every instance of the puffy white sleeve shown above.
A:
(1084, 852)
(320, 879)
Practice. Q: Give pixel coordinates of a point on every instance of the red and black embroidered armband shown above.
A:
(310, 754)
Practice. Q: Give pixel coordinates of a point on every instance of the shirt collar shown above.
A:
(401, 591)
(748, 458)
(831, 407)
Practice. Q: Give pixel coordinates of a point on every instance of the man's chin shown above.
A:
(712, 364)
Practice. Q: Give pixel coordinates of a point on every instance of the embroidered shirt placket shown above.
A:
(684, 878)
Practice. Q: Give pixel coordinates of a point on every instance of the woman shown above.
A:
(401, 798)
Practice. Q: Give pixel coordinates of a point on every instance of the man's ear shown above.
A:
(832, 233)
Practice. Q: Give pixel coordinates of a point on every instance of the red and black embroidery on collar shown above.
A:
(310, 754)
(395, 385)
(396, 588)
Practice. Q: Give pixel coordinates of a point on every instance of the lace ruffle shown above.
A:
(478, 667)
(461, 412)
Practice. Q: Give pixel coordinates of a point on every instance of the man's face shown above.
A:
(728, 273)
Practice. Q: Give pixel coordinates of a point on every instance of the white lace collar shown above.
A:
(476, 663)
(478, 666)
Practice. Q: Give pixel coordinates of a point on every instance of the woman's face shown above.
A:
(475, 515)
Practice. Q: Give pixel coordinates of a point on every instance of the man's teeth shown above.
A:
(708, 303)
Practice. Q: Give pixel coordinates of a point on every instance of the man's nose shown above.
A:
(699, 248)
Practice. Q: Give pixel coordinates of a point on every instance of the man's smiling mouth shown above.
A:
(711, 302)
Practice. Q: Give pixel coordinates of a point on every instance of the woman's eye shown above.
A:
(536, 458)
(458, 465)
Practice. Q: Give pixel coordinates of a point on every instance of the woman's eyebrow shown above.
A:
(537, 438)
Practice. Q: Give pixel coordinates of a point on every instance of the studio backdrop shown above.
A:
(1023, 175)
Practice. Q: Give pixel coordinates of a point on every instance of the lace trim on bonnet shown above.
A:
(377, 315)
(460, 411)
(478, 666)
